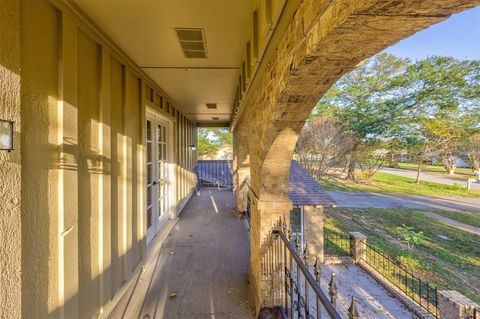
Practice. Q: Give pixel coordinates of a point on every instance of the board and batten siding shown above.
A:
(80, 105)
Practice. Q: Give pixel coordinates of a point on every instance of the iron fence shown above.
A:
(414, 287)
(294, 281)
(214, 173)
(336, 244)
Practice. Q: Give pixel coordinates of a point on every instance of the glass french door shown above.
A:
(158, 182)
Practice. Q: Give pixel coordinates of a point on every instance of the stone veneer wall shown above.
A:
(325, 40)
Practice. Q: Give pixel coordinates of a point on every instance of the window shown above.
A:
(297, 224)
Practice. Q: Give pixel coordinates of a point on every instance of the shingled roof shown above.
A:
(303, 190)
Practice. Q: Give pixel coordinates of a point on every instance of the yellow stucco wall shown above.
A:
(10, 172)
(72, 219)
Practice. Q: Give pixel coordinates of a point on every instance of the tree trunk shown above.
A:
(347, 164)
(391, 161)
(450, 164)
(351, 169)
(419, 169)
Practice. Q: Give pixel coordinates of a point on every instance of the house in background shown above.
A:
(224, 152)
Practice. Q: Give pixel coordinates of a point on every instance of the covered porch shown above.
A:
(106, 97)
(198, 269)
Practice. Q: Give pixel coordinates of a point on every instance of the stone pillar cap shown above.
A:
(457, 298)
(358, 235)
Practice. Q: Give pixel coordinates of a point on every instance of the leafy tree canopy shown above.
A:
(210, 139)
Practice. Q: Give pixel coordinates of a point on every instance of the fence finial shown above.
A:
(332, 290)
(317, 270)
(352, 310)
(305, 255)
(297, 244)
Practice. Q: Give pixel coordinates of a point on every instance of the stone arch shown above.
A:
(275, 166)
(325, 40)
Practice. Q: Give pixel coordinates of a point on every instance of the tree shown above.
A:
(210, 139)
(442, 94)
(364, 102)
(471, 147)
(372, 157)
(322, 144)
(428, 108)
(425, 143)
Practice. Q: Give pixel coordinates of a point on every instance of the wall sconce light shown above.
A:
(6, 135)
(192, 147)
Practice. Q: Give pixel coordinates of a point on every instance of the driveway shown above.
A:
(375, 200)
(430, 177)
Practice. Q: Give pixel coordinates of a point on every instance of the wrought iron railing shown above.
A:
(337, 245)
(414, 287)
(295, 281)
(214, 173)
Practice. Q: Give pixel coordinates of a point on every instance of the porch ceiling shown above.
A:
(144, 30)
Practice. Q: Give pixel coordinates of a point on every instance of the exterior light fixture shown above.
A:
(192, 147)
(6, 135)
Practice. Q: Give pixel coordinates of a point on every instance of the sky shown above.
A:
(458, 36)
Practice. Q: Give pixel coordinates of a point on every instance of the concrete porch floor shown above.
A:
(204, 261)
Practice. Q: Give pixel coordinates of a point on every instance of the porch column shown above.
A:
(265, 214)
(313, 223)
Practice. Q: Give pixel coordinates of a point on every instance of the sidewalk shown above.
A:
(425, 176)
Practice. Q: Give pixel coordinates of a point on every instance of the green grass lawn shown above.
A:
(386, 183)
(460, 172)
(452, 263)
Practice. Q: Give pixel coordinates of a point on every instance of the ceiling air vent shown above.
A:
(211, 106)
(215, 118)
(192, 42)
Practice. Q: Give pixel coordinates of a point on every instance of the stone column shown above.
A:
(313, 230)
(241, 169)
(454, 305)
(358, 246)
(264, 215)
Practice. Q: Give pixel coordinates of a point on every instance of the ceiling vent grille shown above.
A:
(211, 106)
(193, 43)
(215, 118)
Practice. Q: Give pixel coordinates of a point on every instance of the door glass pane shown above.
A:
(149, 217)
(149, 151)
(149, 196)
(160, 150)
(149, 131)
(160, 208)
(149, 174)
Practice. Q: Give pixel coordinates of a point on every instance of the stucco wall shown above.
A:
(10, 171)
(72, 219)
